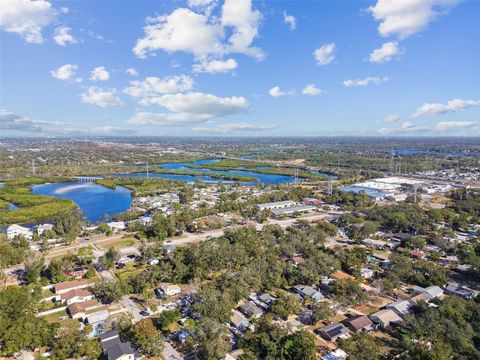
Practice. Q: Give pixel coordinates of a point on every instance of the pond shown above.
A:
(92, 199)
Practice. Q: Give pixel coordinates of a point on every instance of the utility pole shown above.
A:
(33, 167)
(415, 194)
(148, 175)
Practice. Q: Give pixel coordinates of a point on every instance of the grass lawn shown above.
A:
(128, 271)
(55, 317)
(47, 293)
(116, 243)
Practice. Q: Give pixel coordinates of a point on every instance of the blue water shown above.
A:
(96, 200)
(93, 200)
(269, 179)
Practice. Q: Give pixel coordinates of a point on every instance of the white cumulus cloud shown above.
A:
(407, 17)
(451, 106)
(201, 34)
(99, 74)
(132, 71)
(365, 82)
(386, 52)
(66, 73)
(454, 125)
(26, 18)
(290, 20)
(101, 97)
(153, 86)
(324, 55)
(215, 66)
(311, 90)
(277, 92)
(391, 118)
(204, 6)
(63, 37)
(189, 108)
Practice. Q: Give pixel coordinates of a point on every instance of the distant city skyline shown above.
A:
(239, 68)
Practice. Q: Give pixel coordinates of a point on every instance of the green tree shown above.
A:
(147, 338)
(347, 292)
(33, 269)
(110, 258)
(68, 225)
(110, 290)
(361, 346)
(85, 255)
(105, 229)
(286, 305)
(168, 317)
(320, 311)
(211, 339)
(299, 345)
(20, 328)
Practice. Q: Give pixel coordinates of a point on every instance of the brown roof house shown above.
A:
(66, 286)
(385, 318)
(79, 310)
(358, 323)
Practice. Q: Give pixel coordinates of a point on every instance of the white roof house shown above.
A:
(170, 290)
(117, 225)
(97, 317)
(44, 227)
(17, 230)
(276, 205)
(401, 307)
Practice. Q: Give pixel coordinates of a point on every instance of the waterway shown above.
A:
(94, 200)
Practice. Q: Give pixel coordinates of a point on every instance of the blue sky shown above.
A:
(236, 67)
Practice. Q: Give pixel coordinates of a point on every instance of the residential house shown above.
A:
(358, 323)
(366, 273)
(460, 290)
(238, 320)
(312, 201)
(17, 230)
(234, 355)
(266, 298)
(251, 310)
(75, 296)
(385, 318)
(79, 310)
(432, 291)
(333, 331)
(66, 286)
(338, 354)
(44, 227)
(307, 291)
(420, 297)
(276, 205)
(401, 307)
(114, 348)
(168, 249)
(117, 225)
(96, 317)
(170, 290)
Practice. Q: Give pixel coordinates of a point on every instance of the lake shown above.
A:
(96, 200)
(93, 200)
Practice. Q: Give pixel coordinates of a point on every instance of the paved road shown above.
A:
(169, 353)
(132, 308)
